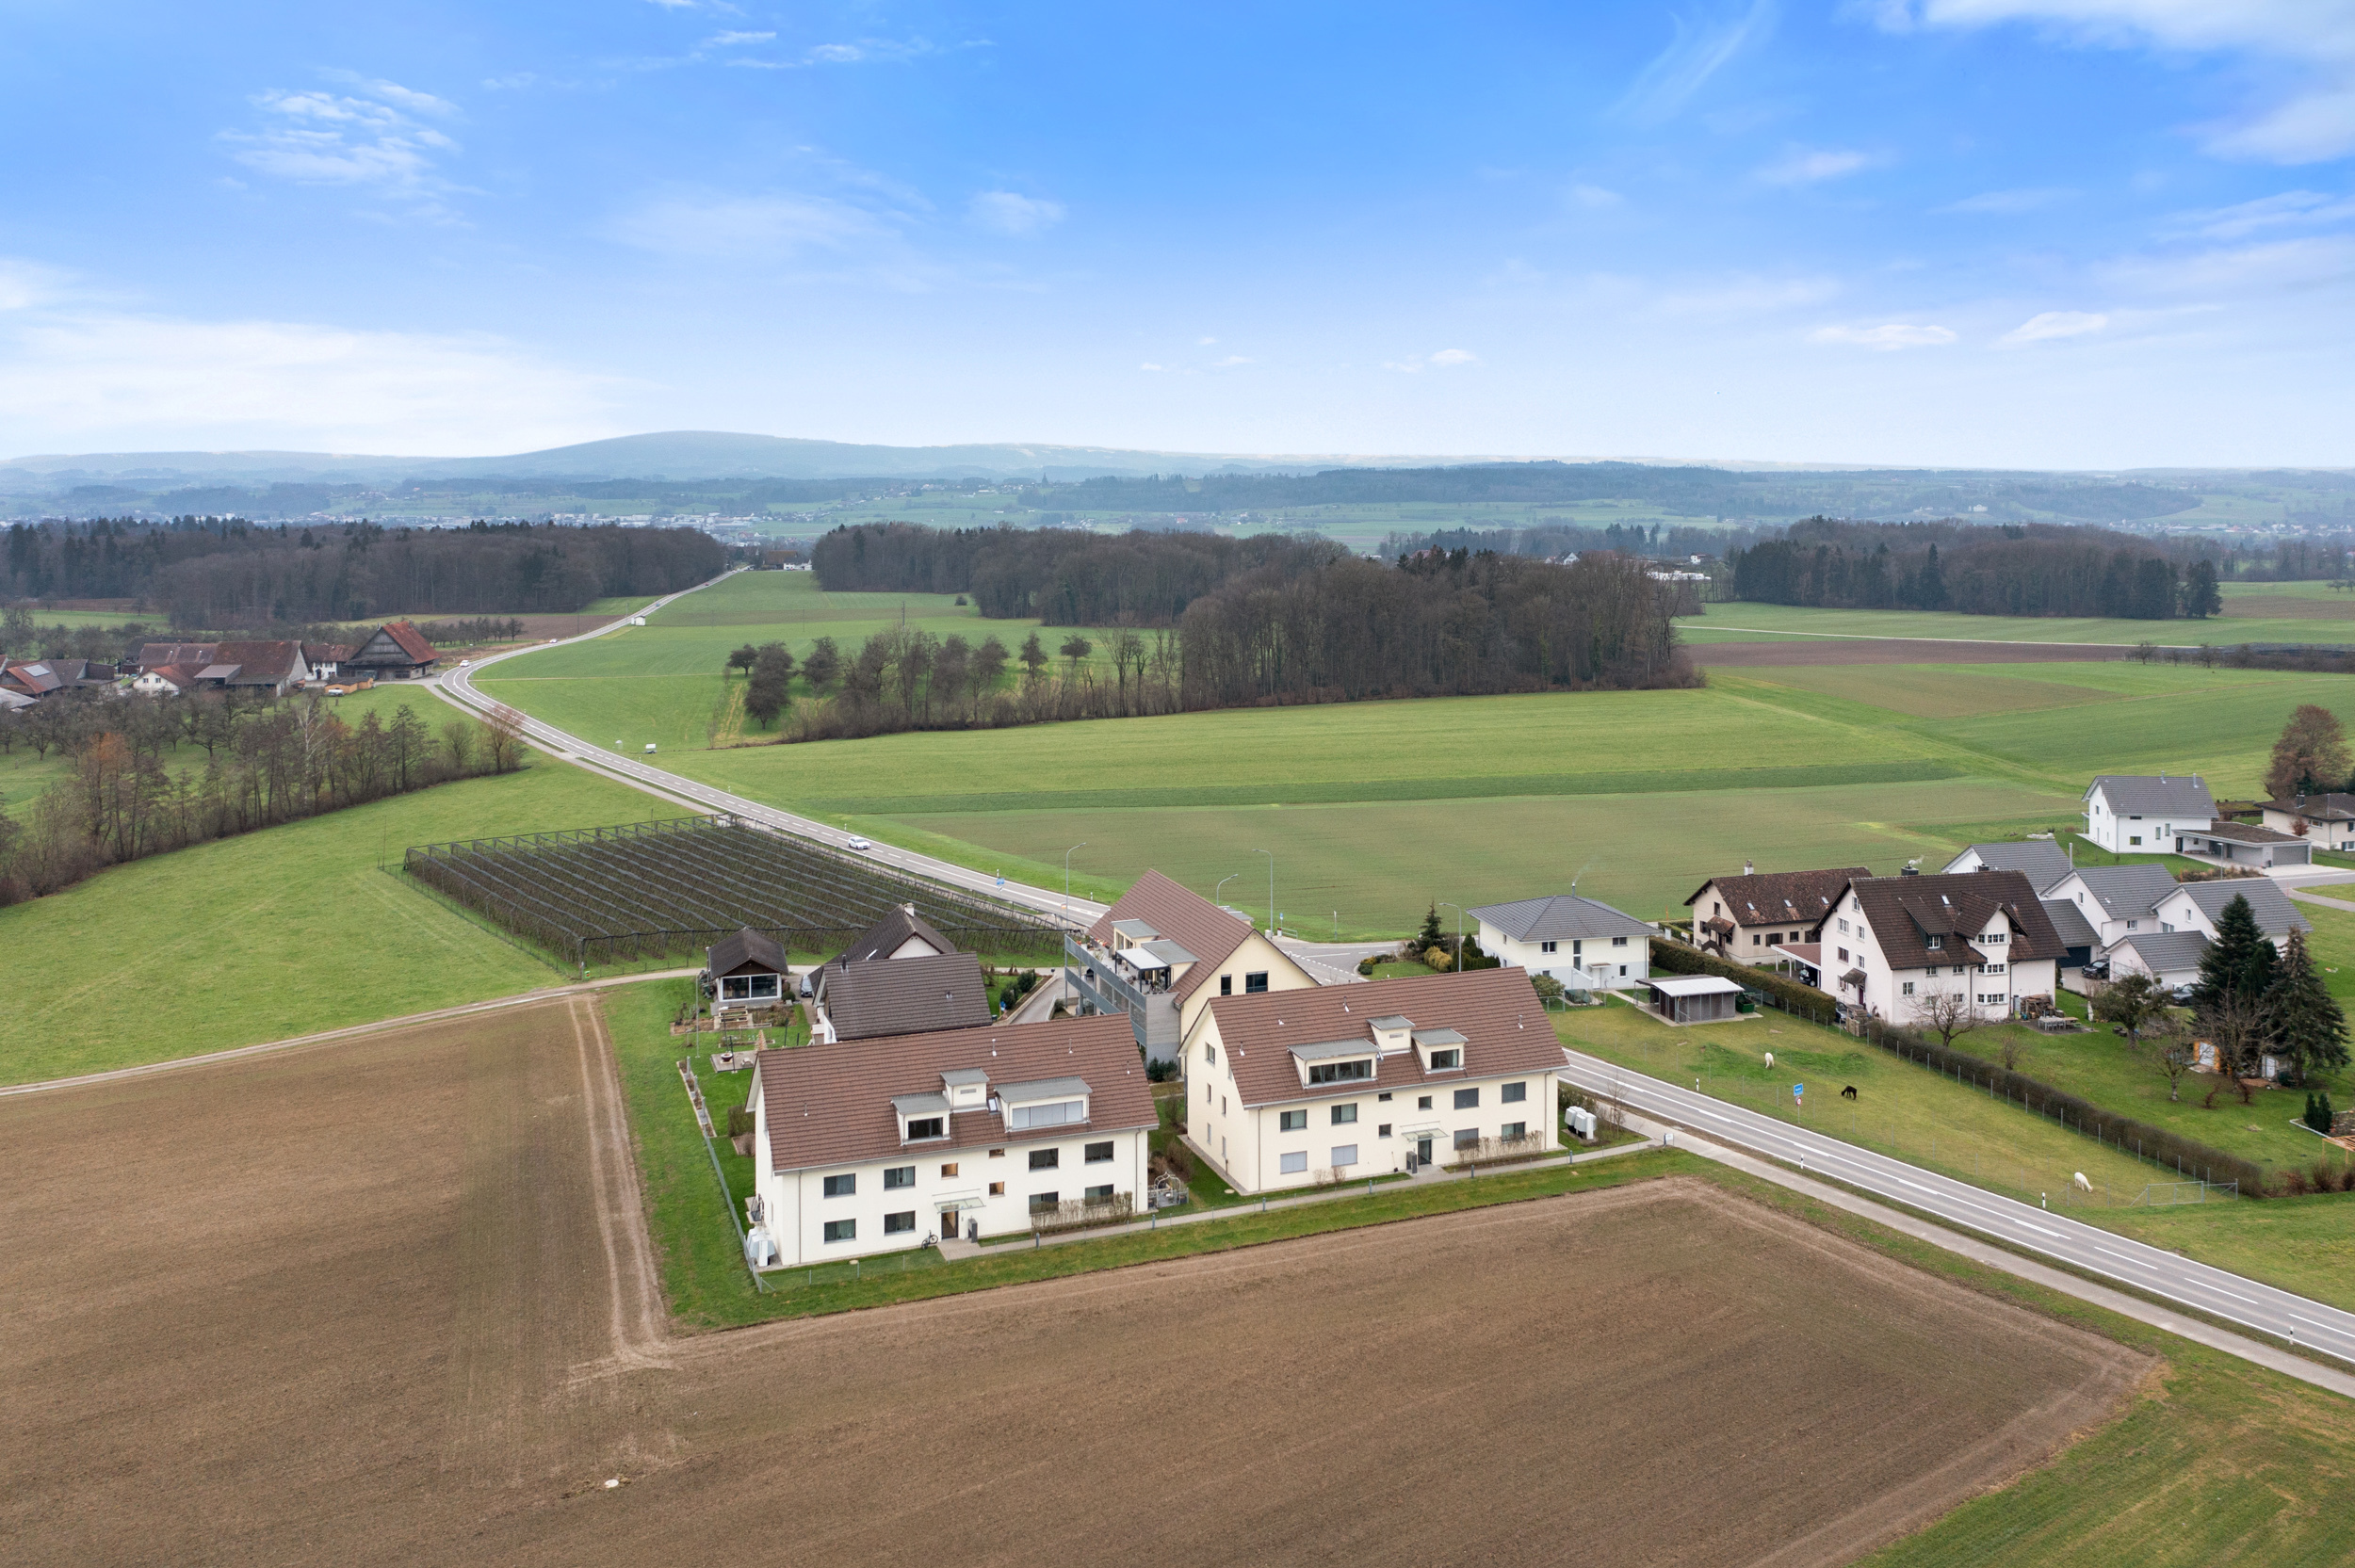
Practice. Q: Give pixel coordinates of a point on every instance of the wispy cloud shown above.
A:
(2309, 262)
(729, 40)
(1886, 338)
(750, 228)
(1595, 197)
(1805, 166)
(374, 137)
(1415, 364)
(1697, 51)
(2306, 49)
(2048, 324)
(2009, 202)
(2290, 208)
(861, 51)
(1007, 211)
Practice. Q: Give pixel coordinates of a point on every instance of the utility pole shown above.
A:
(1460, 932)
(1271, 891)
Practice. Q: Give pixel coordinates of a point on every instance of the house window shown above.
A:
(1343, 1115)
(1934, 942)
(1443, 1060)
(898, 1176)
(997, 1189)
(1422, 1101)
(1383, 1096)
(1514, 1093)
(1097, 1154)
(1044, 1201)
(2133, 925)
(1991, 968)
(842, 1187)
(1906, 990)
(1383, 1131)
(1341, 1071)
(1055, 1113)
(927, 1126)
(1292, 1121)
(1045, 1159)
(900, 1223)
(949, 1170)
(1995, 939)
(1254, 983)
(1546, 947)
(1514, 1129)
(1758, 939)
(1210, 1054)
(1344, 1154)
(1843, 927)
(1467, 1137)
(1466, 1099)
(997, 1153)
(1292, 1165)
(1099, 1194)
(842, 1229)
(1226, 985)
(1843, 955)
(1618, 942)
(2136, 839)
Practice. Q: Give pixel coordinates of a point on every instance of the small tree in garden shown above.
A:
(2177, 1057)
(2310, 754)
(1430, 936)
(1950, 1015)
(2238, 964)
(2134, 1003)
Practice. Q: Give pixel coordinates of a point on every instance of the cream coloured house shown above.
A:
(1163, 954)
(1893, 943)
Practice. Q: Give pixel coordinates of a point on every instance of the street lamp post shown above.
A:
(1271, 891)
(1460, 932)
(1221, 888)
(1066, 879)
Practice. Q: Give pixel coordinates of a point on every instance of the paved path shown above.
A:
(2199, 1332)
(352, 1031)
(2260, 1308)
(456, 687)
(2319, 899)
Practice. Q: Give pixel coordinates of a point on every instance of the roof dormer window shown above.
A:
(1442, 1050)
(1050, 1103)
(1934, 942)
(1359, 1070)
(922, 1115)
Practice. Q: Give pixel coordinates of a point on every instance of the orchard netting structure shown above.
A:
(647, 891)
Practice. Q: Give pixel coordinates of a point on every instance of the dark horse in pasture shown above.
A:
(1849, 1093)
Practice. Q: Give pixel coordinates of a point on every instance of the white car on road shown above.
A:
(860, 844)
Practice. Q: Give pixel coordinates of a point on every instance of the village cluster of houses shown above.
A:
(395, 650)
(916, 1113)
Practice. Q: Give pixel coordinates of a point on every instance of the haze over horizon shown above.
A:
(2085, 234)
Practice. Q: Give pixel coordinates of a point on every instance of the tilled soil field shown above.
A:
(389, 1301)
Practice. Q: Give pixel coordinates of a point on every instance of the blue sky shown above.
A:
(2035, 233)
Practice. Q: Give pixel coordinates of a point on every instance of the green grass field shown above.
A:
(281, 932)
(2253, 612)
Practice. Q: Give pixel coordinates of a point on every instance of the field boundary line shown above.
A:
(2125, 1303)
(331, 1037)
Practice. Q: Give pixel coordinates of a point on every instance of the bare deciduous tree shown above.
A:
(1950, 1015)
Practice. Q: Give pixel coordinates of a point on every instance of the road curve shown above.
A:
(456, 687)
(2229, 1298)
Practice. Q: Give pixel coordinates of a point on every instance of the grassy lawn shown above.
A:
(2249, 617)
(2302, 1244)
(1901, 1110)
(284, 931)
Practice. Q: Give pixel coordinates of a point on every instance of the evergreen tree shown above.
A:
(1929, 586)
(2307, 1025)
(2238, 964)
(1430, 936)
(2200, 598)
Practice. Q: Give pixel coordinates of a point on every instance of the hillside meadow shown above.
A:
(2253, 612)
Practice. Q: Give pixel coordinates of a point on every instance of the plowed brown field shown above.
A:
(390, 1301)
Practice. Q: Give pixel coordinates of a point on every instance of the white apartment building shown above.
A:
(868, 1146)
(1308, 1086)
(1583, 942)
(1895, 943)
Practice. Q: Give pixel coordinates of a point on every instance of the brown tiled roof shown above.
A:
(258, 661)
(831, 1105)
(885, 937)
(1905, 910)
(2241, 832)
(196, 655)
(412, 641)
(1780, 897)
(1504, 1026)
(731, 953)
(1183, 916)
(909, 996)
(326, 652)
(2332, 807)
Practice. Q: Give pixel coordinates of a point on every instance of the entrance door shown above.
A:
(1423, 1151)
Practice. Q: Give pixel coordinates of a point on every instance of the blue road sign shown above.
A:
(1797, 1090)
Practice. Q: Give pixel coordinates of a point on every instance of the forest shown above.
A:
(2032, 569)
(223, 573)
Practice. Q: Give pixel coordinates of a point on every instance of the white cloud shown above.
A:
(1231, 360)
(751, 228)
(2047, 325)
(2240, 270)
(1808, 165)
(1454, 356)
(2267, 212)
(368, 138)
(1594, 196)
(2007, 203)
(1149, 364)
(1006, 212)
(1885, 339)
(1694, 54)
(80, 377)
(1415, 364)
(2307, 48)
(729, 40)
(1205, 342)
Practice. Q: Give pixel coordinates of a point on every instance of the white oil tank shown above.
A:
(760, 1248)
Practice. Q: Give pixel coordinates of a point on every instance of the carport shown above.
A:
(1694, 998)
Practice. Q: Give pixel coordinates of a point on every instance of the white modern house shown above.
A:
(1163, 954)
(2115, 901)
(2130, 812)
(2196, 906)
(1583, 942)
(1893, 943)
(2043, 860)
(1308, 1086)
(2170, 958)
(867, 1146)
(2326, 821)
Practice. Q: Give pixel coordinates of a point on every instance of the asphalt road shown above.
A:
(2259, 1308)
(457, 686)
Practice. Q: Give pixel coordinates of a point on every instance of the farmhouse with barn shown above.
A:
(874, 1145)
(1163, 954)
(1583, 942)
(395, 650)
(1895, 943)
(1295, 1087)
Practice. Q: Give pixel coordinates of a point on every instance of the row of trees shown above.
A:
(225, 572)
(2013, 570)
(1140, 579)
(264, 763)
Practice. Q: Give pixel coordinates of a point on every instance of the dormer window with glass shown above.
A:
(1442, 1050)
(922, 1115)
(1050, 1103)
(1335, 1061)
(965, 1088)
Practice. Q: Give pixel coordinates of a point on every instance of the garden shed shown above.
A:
(746, 970)
(1694, 998)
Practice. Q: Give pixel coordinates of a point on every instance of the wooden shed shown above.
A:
(1694, 998)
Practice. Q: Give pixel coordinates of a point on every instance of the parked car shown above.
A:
(2181, 996)
(860, 844)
